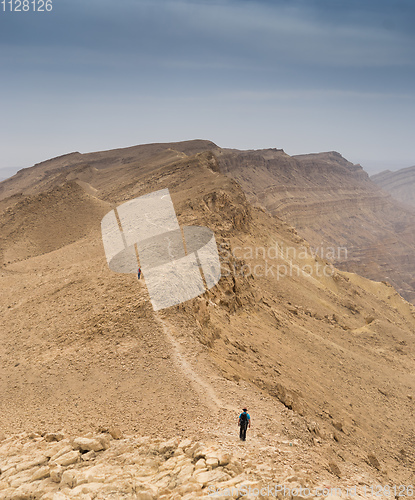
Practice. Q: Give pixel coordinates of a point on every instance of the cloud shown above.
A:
(256, 33)
(85, 75)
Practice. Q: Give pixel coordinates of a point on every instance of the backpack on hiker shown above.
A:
(244, 419)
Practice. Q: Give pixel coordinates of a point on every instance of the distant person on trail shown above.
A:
(244, 422)
(139, 273)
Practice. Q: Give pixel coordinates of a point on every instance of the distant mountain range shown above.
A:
(331, 202)
(400, 184)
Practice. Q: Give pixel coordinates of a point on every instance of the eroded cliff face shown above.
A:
(400, 184)
(336, 207)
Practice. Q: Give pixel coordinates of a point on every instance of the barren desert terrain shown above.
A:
(322, 357)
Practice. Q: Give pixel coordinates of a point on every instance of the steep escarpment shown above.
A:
(336, 207)
(400, 184)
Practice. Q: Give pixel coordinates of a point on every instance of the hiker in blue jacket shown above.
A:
(244, 422)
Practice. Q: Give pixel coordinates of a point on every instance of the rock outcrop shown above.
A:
(145, 468)
(334, 205)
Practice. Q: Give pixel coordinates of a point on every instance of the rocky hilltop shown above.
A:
(400, 184)
(322, 358)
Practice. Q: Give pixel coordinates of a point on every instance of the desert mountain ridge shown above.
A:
(333, 204)
(400, 184)
(323, 360)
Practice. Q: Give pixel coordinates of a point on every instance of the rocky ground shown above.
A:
(109, 465)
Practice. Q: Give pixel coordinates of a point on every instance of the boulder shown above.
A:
(373, 461)
(104, 440)
(186, 469)
(69, 479)
(56, 473)
(144, 495)
(6, 494)
(168, 447)
(115, 433)
(194, 449)
(224, 458)
(59, 496)
(187, 488)
(212, 462)
(185, 443)
(28, 491)
(90, 455)
(87, 444)
(200, 464)
(41, 473)
(29, 464)
(234, 466)
(98, 473)
(68, 458)
(334, 469)
(22, 477)
(90, 489)
(4, 485)
(59, 451)
(53, 436)
(212, 476)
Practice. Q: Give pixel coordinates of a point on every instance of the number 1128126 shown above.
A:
(26, 5)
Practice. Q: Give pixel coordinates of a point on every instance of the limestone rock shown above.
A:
(53, 436)
(212, 476)
(212, 462)
(56, 474)
(90, 455)
(200, 464)
(193, 450)
(168, 446)
(97, 474)
(39, 460)
(224, 458)
(115, 433)
(69, 479)
(104, 440)
(4, 485)
(41, 473)
(68, 458)
(86, 444)
(61, 450)
(185, 444)
(373, 461)
(334, 469)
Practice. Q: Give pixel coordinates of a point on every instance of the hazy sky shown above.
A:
(302, 75)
